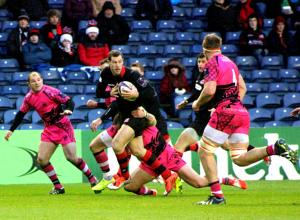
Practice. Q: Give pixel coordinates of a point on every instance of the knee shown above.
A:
(42, 161)
(72, 159)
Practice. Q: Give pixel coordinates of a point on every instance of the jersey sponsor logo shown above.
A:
(198, 87)
(142, 82)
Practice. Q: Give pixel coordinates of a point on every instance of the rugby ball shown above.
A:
(126, 86)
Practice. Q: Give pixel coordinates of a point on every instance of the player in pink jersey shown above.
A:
(168, 156)
(48, 102)
(230, 120)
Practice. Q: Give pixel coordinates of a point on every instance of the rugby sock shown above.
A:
(50, 172)
(150, 159)
(81, 164)
(102, 160)
(227, 181)
(123, 162)
(250, 147)
(145, 191)
(193, 147)
(270, 150)
(215, 188)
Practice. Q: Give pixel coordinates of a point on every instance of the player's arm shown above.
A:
(102, 84)
(242, 88)
(17, 121)
(68, 107)
(140, 112)
(206, 95)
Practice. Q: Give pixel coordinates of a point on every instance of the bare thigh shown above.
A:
(46, 150)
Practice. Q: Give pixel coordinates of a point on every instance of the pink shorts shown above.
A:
(231, 120)
(61, 132)
(169, 158)
(112, 130)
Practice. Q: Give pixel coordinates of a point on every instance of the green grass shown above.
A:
(263, 200)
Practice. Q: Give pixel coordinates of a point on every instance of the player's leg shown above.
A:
(187, 137)
(137, 181)
(70, 154)
(46, 150)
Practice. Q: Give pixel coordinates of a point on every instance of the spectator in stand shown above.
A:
(36, 54)
(18, 37)
(252, 40)
(221, 17)
(53, 29)
(92, 49)
(276, 8)
(65, 53)
(244, 9)
(76, 10)
(36, 9)
(98, 5)
(113, 27)
(174, 81)
(154, 10)
(279, 40)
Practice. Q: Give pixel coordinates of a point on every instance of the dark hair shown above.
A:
(53, 12)
(136, 64)
(114, 53)
(201, 56)
(212, 42)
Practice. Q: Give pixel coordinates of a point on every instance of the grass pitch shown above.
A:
(262, 200)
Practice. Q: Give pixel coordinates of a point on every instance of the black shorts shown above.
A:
(201, 120)
(137, 124)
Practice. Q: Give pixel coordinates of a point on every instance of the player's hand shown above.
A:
(130, 95)
(140, 112)
(195, 106)
(114, 91)
(66, 112)
(91, 103)
(94, 125)
(182, 104)
(295, 112)
(211, 111)
(7, 135)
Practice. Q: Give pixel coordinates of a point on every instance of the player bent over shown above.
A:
(48, 101)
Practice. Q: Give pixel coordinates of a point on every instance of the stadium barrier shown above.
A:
(18, 162)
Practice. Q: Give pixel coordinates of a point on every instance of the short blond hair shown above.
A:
(33, 73)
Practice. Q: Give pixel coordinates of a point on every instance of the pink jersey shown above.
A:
(226, 74)
(47, 102)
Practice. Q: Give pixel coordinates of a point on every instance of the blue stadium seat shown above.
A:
(83, 126)
(31, 127)
(184, 116)
(204, 33)
(174, 50)
(5, 15)
(5, 79)
(232, 37)
(246, 62)
(193, 26)
(36, 119)
(199, 13)
(155, 76)
(166, 26)
(196, 49)
(148, 51)
(78, 116)
(147, 63)
(189, 62)
(230, 50)
(276, 124)
(159, 63)
(163, 114)
(246, 74)
(3, 39)
(37, 24)
(9, 25)
(249, 101)
(289, 75)
(5, 103)
(20, 78)
(71, 89)
(89, 89)
(95, 113)
(263, 76)
(9, 65)
(281, 88)
(205, 3)
(129, 3)
(255, 88)
(9, 116)
(19, 102)
(178, 13)
(77, 77)
(12, 91)
(255, 125)
(51, 77)
(260, 114)
(135, 39)
(158, 38)
(82, 25)
(283, 114)
(268, 100)
(4, 127)
(125, 49)
(143, 26)
(296, 123)
(80, 101)
(294, 62)
(184, 38)
(272, 62)
(57, 4)
(261, 7)
(128, 13)
(268, 23)
(186, 3)
(174, 124)
(291, 100)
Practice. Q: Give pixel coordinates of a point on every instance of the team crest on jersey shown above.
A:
(142, 82)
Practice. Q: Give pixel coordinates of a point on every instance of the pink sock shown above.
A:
(215, 189)
(270, 150)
